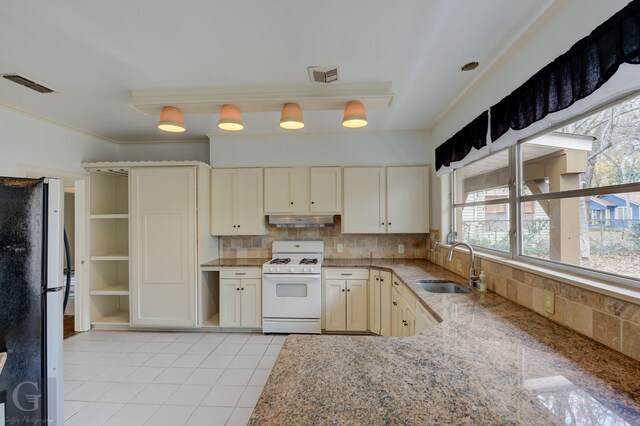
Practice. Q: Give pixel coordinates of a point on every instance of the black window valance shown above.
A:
(589, 64)
(473, 135)
(571, 77)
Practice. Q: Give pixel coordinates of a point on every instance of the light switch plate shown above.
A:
(549, 302)
(400, 248)
(339, 248)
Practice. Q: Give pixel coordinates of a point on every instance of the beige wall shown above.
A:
(610, 321)
(355, 246)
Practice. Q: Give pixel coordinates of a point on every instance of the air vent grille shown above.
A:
(323, 74)
(27, 83)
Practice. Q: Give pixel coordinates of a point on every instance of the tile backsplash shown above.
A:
(611, 321)
(376, 246)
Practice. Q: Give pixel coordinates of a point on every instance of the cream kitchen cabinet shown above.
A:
(408, 200)
(346, 299)
(403, 305)
(286, 190)
(364, 204)
(237, 206)
(303, 190)
(386, 200)
(241, 298)
(150, 232)
(380, 302)
(325, 190)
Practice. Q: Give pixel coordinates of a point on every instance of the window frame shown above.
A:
(516, 200)
(509, 200)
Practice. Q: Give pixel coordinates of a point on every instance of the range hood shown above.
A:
(301, 221)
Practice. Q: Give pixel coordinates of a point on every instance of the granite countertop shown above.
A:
(489, 361)
(235, 263)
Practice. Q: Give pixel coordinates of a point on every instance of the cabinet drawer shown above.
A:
(241, 273)
(346, 273)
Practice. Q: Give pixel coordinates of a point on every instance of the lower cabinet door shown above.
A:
(250, 303)
(396, 317)
(230, 302)
(374, 302)
(357, 305)
(409, 323)
(335, 299)
(385, 303)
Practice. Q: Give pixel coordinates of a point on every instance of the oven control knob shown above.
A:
(277, 269)
(291, 269)
(307, 269)
(271, 269)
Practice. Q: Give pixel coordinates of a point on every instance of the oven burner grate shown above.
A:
(309, 261)
(280, 261)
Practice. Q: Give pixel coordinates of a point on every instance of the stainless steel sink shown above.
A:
(442, 286)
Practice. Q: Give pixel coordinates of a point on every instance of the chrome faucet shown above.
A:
(473, 278)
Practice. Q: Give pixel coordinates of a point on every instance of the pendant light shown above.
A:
(291, 118)
(171, 120)
(355, 116)
(230, 118)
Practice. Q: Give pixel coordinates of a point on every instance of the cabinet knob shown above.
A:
(292, 203)
(377, 279)
(343, 290)
(395, 303)
(389, 224)
(382, 223)
(242, 289)
(396, 283)
(238, 226)
(381, 279)
(237, 289)
(349, 289)
(234, 226)
(312, 202)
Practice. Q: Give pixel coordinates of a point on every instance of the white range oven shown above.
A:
(292, 288)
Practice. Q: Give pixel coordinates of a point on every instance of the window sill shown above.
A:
(628, 294)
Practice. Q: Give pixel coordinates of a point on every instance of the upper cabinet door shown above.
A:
(250, 206)
(326, 190)
(286, 190)
(223, 202)
(408, 199)
(278, 190)
(364, 210)
(163, 246)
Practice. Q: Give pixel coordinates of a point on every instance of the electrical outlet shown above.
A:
(549, 302)
(400, 248)
(339, 248)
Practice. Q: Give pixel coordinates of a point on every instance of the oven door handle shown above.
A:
(284, 277)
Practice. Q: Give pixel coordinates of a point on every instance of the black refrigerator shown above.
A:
(31, 298)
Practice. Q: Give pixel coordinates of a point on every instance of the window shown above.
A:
(481, 208)
(577, 204)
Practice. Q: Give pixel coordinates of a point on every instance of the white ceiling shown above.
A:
(94, 53)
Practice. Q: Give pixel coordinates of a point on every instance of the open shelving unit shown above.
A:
(109, 249)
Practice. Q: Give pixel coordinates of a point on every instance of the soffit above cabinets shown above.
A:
(264, 98)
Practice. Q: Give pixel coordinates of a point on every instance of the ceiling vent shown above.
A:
(27, 83)
(323, 74)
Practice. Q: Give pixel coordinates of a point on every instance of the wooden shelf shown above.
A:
(110, 216)
(116, 318)
(120, 289)
(114, 257)
(214, 321)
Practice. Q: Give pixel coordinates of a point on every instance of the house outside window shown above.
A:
(575, 199)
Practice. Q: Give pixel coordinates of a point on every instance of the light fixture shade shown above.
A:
(171, 120)
(291, 118)
(355, 116)
(230, 118)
